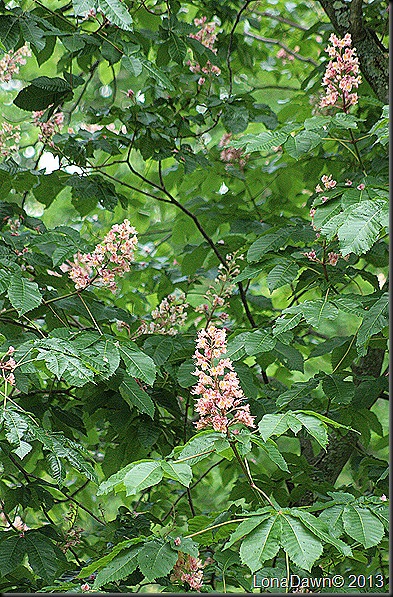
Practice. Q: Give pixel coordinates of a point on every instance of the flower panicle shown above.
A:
(110, 258)
(341, 75)
(221, 399)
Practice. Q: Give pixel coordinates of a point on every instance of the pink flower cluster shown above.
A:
(8, 366)
(332, 257)
(231, 155)
(327, 182)
(9, 138)
(188, 569)
(219, 391)
(110, 258)
(49, 128)
(168, 317)
(10, 63)
(284, 56)
(207, 37)
(341, 75)
(17, 523)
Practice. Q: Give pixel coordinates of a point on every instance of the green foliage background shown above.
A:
(100, 457)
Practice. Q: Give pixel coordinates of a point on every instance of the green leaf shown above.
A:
(199, 446)
(24, 295)
(362, 525)
(301, 545)
(302, 143)
(102, 562)
(272, 425)
(179, 471)
(135, 396)
(121, 566)
(282, 274)
(375, 320)
(177, 48)
(314, 427)
(337, 390)
(268, 242)
(299, 390)
(184, 374)
(270, 448)
(138, 364)
(116, 13)
(81, 7)
(43, 92)
(132, 64)
(9, 31)
(258, 342)
(284, 324)
(157, 74)
(43, 555)
(264, 142)
(16, 427)
(142, 475)
(12, 551)
(245, 528)
(156, 559)
(361, 227)
(321, 529)
(62, 360)
(261, 544)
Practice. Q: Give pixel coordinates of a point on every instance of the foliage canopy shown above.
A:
(181, 182)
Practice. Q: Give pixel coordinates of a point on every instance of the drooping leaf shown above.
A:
(138, 364)
(302, 546)
(121, 566)
(135, 396)
(362, 525)
(142, 475)
(116, 12)
(361, 227)
(179, 471)
(156, 559)
(23, 294)
(281, 274)
(375, 319)
(261, 544)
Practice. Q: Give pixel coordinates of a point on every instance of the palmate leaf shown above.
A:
(373, 322)
(281, 274)
(117, 13)
(179, 471)
(135, 396)
(273, 425)
(361, 227)
(261, 544)
(12, 551)
(362, 525)
(156, 559)
(23, 295)
(62, 359)
(138, 364)
(43, 555)
(134, 477)
(246, 527)
(321, 529)
(16, 427)
(270, 448)
(302, 546)
(270, 241)
(121, 566)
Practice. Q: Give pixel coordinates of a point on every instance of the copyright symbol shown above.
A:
(338, 580)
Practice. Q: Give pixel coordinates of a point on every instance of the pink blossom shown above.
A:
(311, 255)
(348, 183)
(333, 258)
(207, 37)
(168, 317)
(188, 569)
(48, 128)
(341, 75)
(361, 187)
(9, 138)
(96, 268)
(221, 399)
(10, 63)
